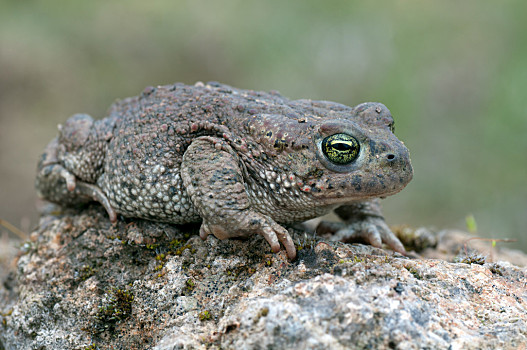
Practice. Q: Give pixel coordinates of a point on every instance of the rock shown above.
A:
(82, 283)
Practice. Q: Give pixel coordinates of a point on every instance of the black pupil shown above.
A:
(340, 146)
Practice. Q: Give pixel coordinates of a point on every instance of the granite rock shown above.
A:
(84, 283)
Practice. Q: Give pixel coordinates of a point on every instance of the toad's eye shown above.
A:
(340, 149)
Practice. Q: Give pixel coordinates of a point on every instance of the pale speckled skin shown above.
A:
(240, 161)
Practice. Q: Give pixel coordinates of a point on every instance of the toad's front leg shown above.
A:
(214, 181)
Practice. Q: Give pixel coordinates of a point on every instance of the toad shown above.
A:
(241, 162)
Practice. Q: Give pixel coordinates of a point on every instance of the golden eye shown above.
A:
(340, 148)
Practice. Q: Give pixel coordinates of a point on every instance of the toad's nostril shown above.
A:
(391, 157)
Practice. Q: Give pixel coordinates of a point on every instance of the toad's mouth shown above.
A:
(362, 186)
(339, 198)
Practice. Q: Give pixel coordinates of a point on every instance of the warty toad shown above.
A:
(242, 162)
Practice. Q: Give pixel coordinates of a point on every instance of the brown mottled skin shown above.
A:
(240, 161)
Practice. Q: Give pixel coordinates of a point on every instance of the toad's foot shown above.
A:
(371, 229)
(96, 194)
(251, 223)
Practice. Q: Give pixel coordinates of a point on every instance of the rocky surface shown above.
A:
(83, 283)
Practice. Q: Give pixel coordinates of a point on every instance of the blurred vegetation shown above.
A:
(454, 74)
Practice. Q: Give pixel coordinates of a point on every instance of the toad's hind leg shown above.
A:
(56, 184)
(213, 179)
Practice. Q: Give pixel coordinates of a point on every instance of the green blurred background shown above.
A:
(454, 75)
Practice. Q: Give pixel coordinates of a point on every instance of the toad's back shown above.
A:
(152, 131)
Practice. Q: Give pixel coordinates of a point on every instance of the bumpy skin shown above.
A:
(240, 161)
